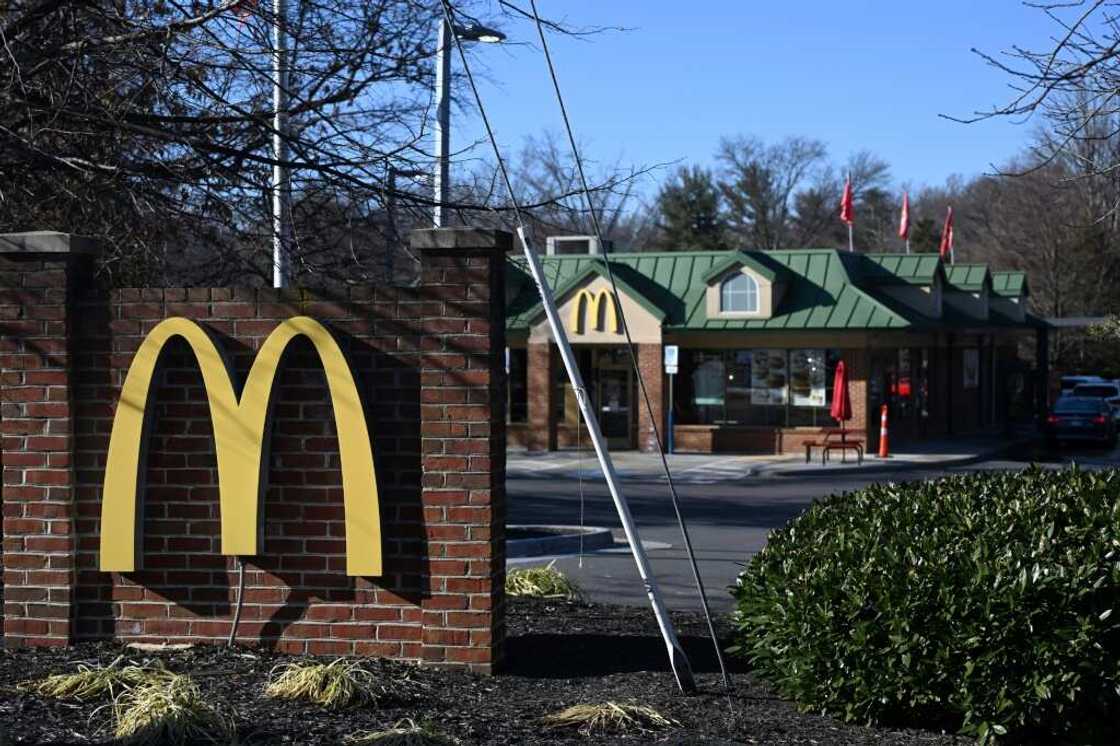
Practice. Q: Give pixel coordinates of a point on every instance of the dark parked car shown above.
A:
(1107, 390)
(1081, 418)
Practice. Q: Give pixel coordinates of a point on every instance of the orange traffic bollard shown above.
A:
(884, 450)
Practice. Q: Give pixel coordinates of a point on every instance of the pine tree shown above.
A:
(690, 215)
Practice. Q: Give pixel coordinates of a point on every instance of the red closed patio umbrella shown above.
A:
(841, 410)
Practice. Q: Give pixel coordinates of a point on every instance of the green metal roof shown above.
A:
(900, 269)
(968, 277)
(1010, 284)
(825, 289)
(820, 293)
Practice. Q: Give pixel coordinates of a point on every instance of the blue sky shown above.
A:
(857, 75)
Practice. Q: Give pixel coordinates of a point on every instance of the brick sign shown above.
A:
(425, 364)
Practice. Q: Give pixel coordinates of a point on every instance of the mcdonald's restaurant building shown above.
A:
(758, 336)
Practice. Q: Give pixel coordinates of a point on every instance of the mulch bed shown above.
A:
(558, 654)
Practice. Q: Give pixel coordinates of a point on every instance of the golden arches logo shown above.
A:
(601, 306)
(239, 430)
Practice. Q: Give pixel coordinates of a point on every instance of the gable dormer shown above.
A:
(1009, 294)
(592, 312)
(969, 289)
(743, 286)
(915, 280)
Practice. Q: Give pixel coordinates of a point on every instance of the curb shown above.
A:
(879, 468)
(594, 538)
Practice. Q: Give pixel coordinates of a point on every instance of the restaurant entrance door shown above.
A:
(613, 401)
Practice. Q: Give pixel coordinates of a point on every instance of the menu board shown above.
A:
(768, 377)
(807, 378)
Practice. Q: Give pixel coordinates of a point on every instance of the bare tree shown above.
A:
(148, 124)
(546, 183)
(759, 182)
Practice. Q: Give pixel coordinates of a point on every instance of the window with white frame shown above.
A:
(738, 293)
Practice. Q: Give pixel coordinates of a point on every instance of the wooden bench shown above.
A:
(830, 443)
(810, 445)
(843, 447)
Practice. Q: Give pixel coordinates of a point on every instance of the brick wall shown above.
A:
(650, 365)
(428, 363)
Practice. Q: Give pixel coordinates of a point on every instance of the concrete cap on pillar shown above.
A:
(46, 242)
(461, 240)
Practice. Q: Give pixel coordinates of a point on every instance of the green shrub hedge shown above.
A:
(983, 602)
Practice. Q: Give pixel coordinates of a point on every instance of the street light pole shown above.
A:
(443, 122)
(442, 176)
(280, 184)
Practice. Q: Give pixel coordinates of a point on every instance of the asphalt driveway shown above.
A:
(728, 521)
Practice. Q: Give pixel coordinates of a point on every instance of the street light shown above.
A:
(474, 32)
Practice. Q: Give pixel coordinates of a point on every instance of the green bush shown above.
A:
(983, 602)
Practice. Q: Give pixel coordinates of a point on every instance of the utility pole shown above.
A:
(281, 185)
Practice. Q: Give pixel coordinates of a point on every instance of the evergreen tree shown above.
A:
(690, 212)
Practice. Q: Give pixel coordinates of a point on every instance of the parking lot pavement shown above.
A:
(728, 521)
(686, 468)
(706, 469)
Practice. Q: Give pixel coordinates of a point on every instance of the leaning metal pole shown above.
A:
(677, 658)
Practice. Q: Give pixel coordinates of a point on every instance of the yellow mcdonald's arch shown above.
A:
(587, 302)
(239, 431)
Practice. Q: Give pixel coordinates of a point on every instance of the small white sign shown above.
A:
(671, 355)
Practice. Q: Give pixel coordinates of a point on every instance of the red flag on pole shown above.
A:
(245, 8)
(904, 224)
(847, 209)
(946, 248)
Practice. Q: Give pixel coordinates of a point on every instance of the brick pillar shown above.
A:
(858, 363)
(462, 411)
(541, 374)
(39, 275)
(649, 363)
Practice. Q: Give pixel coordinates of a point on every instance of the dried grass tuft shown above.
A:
(334, 685)
(404, 733)
(91, 682)
(609, 717)
(170, 710)
(541, 582)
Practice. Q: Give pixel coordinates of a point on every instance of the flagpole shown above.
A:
(908, 246)
(851, 247)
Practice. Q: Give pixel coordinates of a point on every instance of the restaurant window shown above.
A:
(739, 293)
(518, 377)
(812, 373)
(708, 390)
(921, 386)
(904, 386)
(756, 387)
